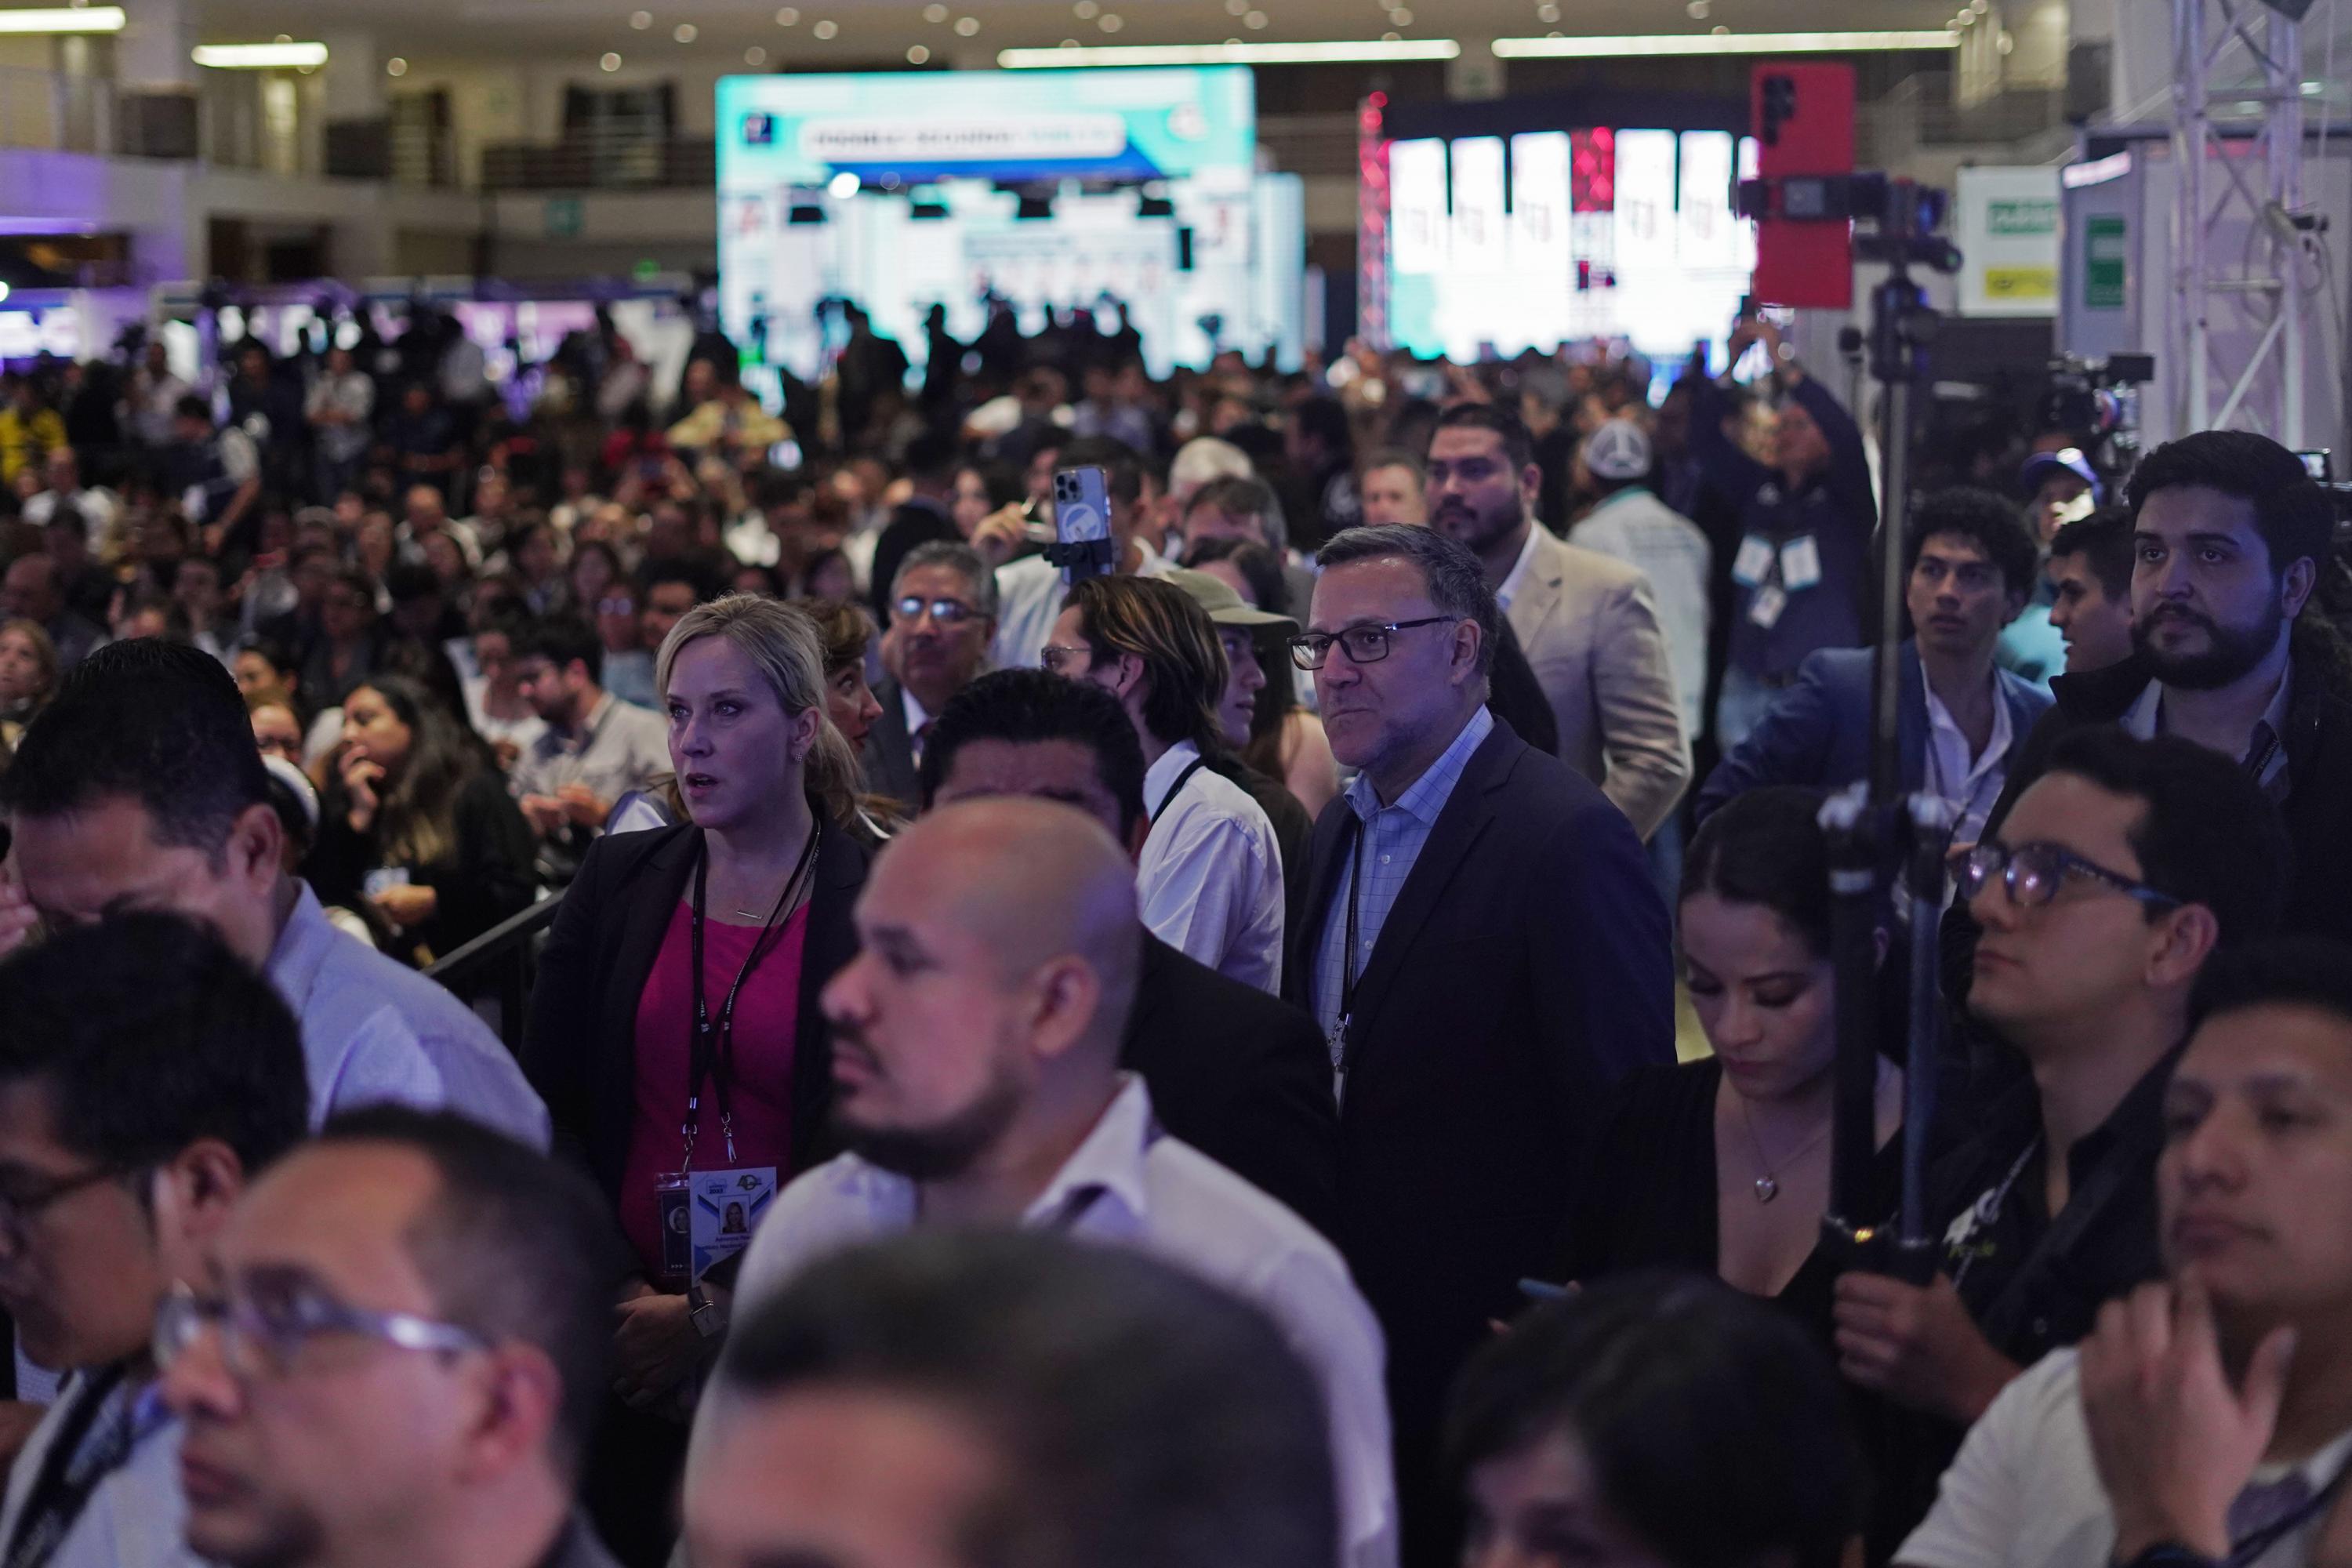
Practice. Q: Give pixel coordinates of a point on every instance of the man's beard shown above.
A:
(946, 1148)
(1468, 526)
(2231, 654)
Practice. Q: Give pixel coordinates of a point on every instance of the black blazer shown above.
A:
(1241, 1077)
(1525, 967)
(889, 761)
(579, 1047)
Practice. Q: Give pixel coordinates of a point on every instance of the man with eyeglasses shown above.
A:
(1485, 951)
(2120, 871)
(393, 1352)
(942, 613)
(146, 1074)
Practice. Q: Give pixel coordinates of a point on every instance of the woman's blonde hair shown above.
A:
(782, 645)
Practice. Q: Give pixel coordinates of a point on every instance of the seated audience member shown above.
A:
(739, 914)
(1485, 951)
(977, 1082)
(416, 827)
(350, 644)
(941, 611)
(964, 1400)
(141, 787)
(2090, 576)
(146, 1074)
(1246, 510)
(672, 588)
(1393, 487)
(1273, 731)
(1234, 1072)
(2121, 870)
(1722, 1165)
(29, 676)
(2230, 535)
(1961, 722)
(850, 704)
(1660, 1420)
(31, 590)
(1588, 622)
(394, 1352)
(277, 729)
(495, 702)
(265, 670)
(2208, 1417)
(1211, 870)
(1030, 591)
(595, 749)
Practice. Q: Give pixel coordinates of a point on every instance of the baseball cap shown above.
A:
(1618, 450)
(1225, 607)
(2042, 466)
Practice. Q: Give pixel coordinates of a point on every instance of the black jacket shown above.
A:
(486, 877)
(1525, 966)
(1241, 1077)
(889, 763)
(2318, 742)
(579, 1047)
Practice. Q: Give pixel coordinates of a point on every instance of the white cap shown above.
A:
(1618, 450)
(290, 776)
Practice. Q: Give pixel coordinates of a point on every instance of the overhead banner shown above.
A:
(2007, 230)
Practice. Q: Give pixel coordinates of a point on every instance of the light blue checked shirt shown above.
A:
(1392, 840)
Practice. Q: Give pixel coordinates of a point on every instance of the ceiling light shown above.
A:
(1233, 52)
(1400, 16)
(1698, 9)
(1391, 38)
(826, 28)
(790, 16)
(967, 26)
(611, 62)
(258, 56)
(1111, 22)
(685, 33)
(1254, 20)
(395, 66)
(917, 54)
(1085, 10)
(79, 19)
(641, 20)
(755, 56)
(935, 13)
(1546, 12)
(1722, 41)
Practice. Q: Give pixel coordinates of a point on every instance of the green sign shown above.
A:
(2035, 216)
(2102, 262)
(563, 217)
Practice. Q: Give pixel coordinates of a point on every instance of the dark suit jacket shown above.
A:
(1525, 966)
(1241, 1077)
(1817, 731)
(579, 1047)
(1517, 697)
(889, 764)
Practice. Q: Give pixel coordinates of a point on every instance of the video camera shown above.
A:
(2097, 402)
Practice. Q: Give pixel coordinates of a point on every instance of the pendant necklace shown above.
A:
(1767, 1187)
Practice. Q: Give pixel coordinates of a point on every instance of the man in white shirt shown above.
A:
(145, 1075)
(94, 504)
(1210, 871)
(140, 787)
(976, 1044)
(1630, 522)
(1029, 592)
(2208, 1418)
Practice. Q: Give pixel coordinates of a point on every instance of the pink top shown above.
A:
(767, 1022)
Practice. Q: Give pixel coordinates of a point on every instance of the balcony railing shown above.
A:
(54, 111)
(492, 973)
(601, 162)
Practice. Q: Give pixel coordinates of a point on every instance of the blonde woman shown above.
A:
(29, 676)
(766, 869)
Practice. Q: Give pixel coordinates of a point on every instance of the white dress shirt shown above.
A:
(1167, 1199)
(1209, 878)
(1969, 783)
(134, 1518)
(1518, 569)
(1029, 595)
(2025, 1493)
(617, 748)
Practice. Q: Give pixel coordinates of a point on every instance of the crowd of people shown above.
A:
(1173, 1067)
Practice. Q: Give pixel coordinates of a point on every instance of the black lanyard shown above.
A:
(2243, 1553)
(62, 1490)
(1181, 780)
(1342, 1057)
(710, 1051)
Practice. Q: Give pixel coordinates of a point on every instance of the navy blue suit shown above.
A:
(1817, 731)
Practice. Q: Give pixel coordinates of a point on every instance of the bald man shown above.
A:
(976, 1082)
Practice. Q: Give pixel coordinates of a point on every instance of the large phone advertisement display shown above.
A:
(1501, 244)
(904, 190)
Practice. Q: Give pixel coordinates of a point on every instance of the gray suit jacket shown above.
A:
(1590, 631)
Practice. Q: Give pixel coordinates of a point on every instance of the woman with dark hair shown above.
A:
(1268, 725)
(827, 574)
(416, 827)
(981, 490)
(1723, 1165)
(1657, 1421)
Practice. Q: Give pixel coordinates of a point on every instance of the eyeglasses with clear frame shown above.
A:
(263, 1332)
(2033, 873)
(1054, 657)
(1362, 644)
(944, 612)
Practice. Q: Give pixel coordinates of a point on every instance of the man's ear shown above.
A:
(2295, 584)
(257, 846)
(2180, 943)
(194, 1193)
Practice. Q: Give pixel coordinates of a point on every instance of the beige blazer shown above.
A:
(1589, 629)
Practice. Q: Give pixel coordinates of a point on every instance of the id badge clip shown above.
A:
(1754, 561)
(1800, 564)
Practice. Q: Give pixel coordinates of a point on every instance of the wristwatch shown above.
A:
(2169, 1555)
(709, 1321)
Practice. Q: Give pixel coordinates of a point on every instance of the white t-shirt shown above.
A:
(1209, 878)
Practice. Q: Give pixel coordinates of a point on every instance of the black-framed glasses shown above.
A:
(1362, 644)
(944, 612)
(263, 1329)
(20, 1206)
(2033, 873)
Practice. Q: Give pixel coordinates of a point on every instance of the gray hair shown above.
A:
(1241, 497)
(957, 557)
(1458, 583)
(1206, 457)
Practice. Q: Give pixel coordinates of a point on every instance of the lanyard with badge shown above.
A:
(1342, 1046)
(706, 1216)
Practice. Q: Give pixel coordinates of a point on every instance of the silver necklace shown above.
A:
(1767, 1187)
